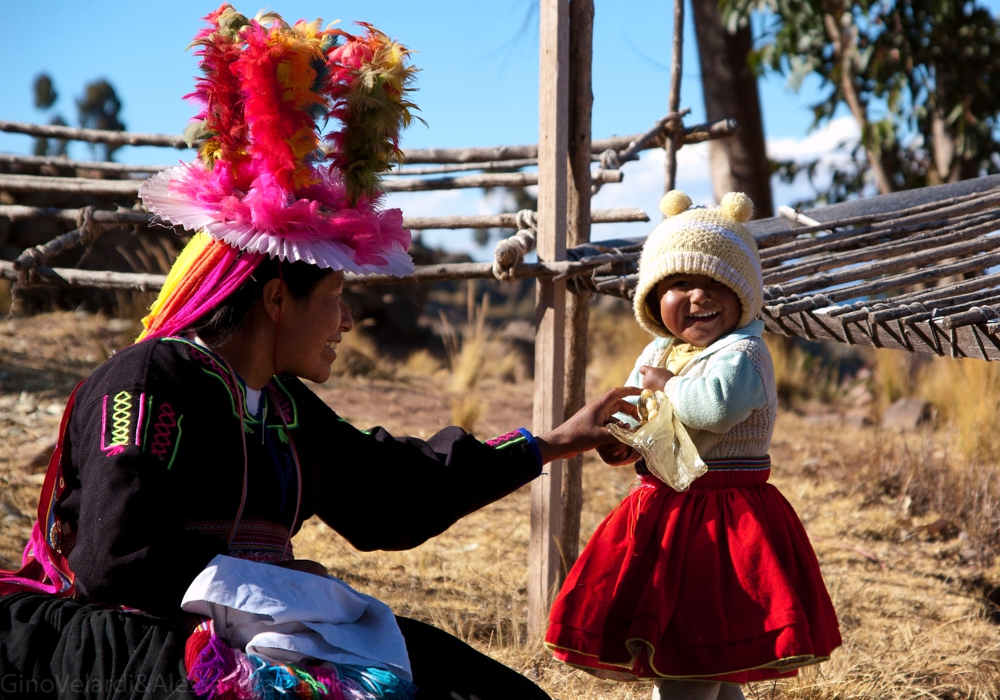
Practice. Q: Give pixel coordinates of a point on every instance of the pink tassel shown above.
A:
(215, 661)
(329, 678)
(238, 683)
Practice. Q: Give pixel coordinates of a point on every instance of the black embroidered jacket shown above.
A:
(154, 475)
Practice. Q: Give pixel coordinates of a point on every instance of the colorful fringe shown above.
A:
(216, 670)
(204, 274)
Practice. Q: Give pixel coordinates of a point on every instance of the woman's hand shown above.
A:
(585, 429)
(619, 454)
(654, 378)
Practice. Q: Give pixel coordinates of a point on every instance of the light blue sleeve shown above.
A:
(729, 391)
(635, 379)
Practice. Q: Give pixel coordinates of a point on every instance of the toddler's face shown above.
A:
(697, 309)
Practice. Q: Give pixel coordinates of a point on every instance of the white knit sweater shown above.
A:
(726, 396)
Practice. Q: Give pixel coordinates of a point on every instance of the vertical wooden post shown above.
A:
(581, 103)
(550, 303)
(673, 140)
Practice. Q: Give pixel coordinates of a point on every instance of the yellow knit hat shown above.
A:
(710, 242)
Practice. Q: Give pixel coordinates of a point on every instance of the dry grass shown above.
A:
(967, 396)
(894, 376)
(891, 520)
(798, 375)
(466, 410)
(907, 588)
(421, 363)
(359, 356)
(912, 621)
(615, 340)
(468, 349)
(474, 354)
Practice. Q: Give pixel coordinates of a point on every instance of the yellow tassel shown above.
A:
(191, 251)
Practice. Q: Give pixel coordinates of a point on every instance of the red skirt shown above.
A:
(718, 583)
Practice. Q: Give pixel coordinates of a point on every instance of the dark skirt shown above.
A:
(717, 583)
(59, 648)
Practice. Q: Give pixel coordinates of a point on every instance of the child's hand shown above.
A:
(654, 378)
(618, 454)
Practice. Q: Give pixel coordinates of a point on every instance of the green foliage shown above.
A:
(45, 97)
(920, 78)
(55, 147)
(98, 109)
(45, 92)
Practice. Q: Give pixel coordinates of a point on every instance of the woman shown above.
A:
(200, 439)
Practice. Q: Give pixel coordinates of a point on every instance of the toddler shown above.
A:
(703, 590)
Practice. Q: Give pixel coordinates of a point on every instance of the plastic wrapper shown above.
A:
(663, 442)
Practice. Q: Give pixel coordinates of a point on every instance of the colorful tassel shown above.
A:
(216, 670)
(204, 274)
(212, 665)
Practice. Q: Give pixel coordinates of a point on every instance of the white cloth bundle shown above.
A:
(285, 616)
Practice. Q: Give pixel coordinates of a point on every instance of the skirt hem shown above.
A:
(784, 667)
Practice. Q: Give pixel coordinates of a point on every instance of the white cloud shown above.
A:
(831, 145)
(446, 203)
(825, 141)
(642, 187)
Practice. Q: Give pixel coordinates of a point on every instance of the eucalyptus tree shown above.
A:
(921, 78)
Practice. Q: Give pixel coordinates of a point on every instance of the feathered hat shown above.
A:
(262, 184)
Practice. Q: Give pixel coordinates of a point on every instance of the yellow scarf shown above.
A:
(680, 355)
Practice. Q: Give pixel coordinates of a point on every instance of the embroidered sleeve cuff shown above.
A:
(533, 442)
(514, 437)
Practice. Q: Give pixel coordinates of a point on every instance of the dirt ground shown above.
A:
(907, 588)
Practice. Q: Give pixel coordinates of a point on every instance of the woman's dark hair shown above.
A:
(222, 323)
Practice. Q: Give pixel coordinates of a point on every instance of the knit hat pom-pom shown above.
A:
(674, 202)
(738, 206)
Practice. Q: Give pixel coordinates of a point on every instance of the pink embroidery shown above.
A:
(204, 358)
(281, 402)
(165, 422)
(104, 422)
(138, 423)
(500, 439)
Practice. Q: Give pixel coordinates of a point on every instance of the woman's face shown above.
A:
(311, 328)
(697, 309)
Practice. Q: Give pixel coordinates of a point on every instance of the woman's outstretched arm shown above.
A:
(384, 492)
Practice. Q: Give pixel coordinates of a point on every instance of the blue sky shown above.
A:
(478, 84)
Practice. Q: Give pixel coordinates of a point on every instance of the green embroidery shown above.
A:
(177, 444)
(225, 380)
(145, 429)
(505, 445)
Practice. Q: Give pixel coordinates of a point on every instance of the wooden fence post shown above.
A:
(673, 142)
(581, 103)
(550, 303)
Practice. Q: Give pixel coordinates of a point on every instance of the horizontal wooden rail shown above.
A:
(692, 134)
(113, 138)
(63, 163)
(115, 188)
(101, 279)
(129, 217)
